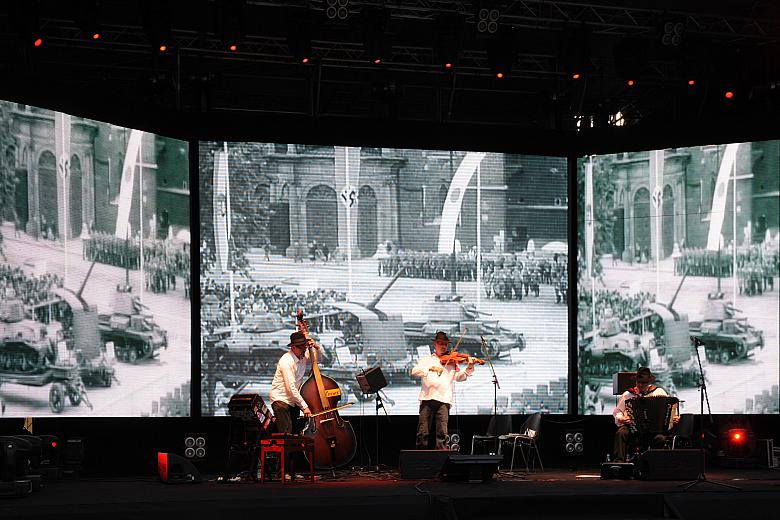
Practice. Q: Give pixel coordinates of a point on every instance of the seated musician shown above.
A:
(286, 400)
(624, 437)
(436, 393)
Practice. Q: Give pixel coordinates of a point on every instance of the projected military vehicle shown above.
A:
(726, 338)
(133, 332)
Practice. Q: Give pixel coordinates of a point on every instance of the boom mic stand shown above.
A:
(496, 387)
(702, 396)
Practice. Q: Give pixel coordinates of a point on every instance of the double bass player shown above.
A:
(286, 400)
(436, 394)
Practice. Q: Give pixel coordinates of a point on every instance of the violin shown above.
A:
(458, 357)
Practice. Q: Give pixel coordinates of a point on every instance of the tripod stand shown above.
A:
(496, 386)
(702, 396)
(372, 381)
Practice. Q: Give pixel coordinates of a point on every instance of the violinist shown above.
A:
(436, 394)
(286, 399)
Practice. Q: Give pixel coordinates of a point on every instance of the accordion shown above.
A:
(650, 415)
(250, 408)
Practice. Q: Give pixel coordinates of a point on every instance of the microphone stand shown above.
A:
(496, 386)
(702, 477)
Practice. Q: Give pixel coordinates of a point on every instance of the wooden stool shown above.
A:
(286, 445)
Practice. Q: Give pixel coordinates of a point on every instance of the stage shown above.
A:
(555, 494)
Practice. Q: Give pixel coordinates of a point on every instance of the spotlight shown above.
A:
(576, 75)
(300, 26)
(488, 17)
(96, 36)
(499, 75)
(449, 39)
(38, 42)
(337, 9)
(448, 65)
(87, 17)
(163, 48)
(375, 21)
(502, 52)
(304, 60)
(230, 19)
(157, 24)
(691, 82)
(672, 31)
(377, 61)
(233, 47)
(729, 94)
(630, 83)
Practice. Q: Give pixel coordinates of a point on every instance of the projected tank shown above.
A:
(253, 347)
(449, 313)
(133, 332)
(28, 357)
(726, 337)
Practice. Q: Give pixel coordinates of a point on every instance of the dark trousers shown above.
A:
(625, 440)
(440, 413)
(286, 419)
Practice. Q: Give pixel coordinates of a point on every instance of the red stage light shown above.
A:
(500, 75)
(163, 48)
(305, 60)
(377, 61)
(729, 94)
(448, 65)
(630, 83)
(576, 75)
(162, 466)
(691, 82)
(233, 47)
(96, 36)
(53, 444)
(38, 42)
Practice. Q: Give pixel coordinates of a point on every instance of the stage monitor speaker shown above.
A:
(175, 469)
(422, 464)
(617, 471)
(372, 380)
(622, 381)
(471, 468)
(670, 465)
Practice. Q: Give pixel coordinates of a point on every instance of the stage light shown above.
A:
(38, 42)
(157, 24)
(728, 94)
(377, 61)
(96, 36)
(304, 60)
(233, 47)
(300, 25)
(230, 20)
(375, 21)
(488, 17)
(630, 83)
(576, 75)
(53, 444)
(737, 435)
(448, 65)
(691, 82)
(449, 29)
(163, 48)
(499, 75)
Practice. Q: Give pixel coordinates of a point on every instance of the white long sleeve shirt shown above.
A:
(438, 387)
(288, 379)
(619, 413)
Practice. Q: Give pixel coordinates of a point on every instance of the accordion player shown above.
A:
(628, 434)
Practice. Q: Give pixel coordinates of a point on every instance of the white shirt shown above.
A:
(438, 387)
(619, 412)
(288, 379)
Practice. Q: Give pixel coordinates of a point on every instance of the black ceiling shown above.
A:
(733, 42)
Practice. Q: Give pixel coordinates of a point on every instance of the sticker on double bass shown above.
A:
(333, 392)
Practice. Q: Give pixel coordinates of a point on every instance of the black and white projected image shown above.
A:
(672, 265)
(379, 247)
(90, 325)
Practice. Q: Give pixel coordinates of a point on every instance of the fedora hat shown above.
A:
(441, 336)
(644, 375)
(297, 339)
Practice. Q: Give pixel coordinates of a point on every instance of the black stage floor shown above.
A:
(554, 494)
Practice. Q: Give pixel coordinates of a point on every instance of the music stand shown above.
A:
(372, 381)
(702, 477)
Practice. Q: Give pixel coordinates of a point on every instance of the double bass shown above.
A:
(334, 439)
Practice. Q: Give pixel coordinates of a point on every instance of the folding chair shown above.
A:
(527, 438)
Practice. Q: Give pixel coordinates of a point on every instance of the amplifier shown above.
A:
(250, 408)
(617, 471)
(670, 465)
(422, 464)
(371, 381)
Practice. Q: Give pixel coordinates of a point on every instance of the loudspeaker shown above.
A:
(764, 454)
(195, 446)
(422, 464)
(573, 443)
(471, 468)
(175, 469)
(622, 381)
(452, 441)
(617, 470)
(372, 380)
(670, 465)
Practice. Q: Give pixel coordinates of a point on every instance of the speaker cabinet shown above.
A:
(422, 464)
(471, 468)
(175, 469)
(670, 465)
